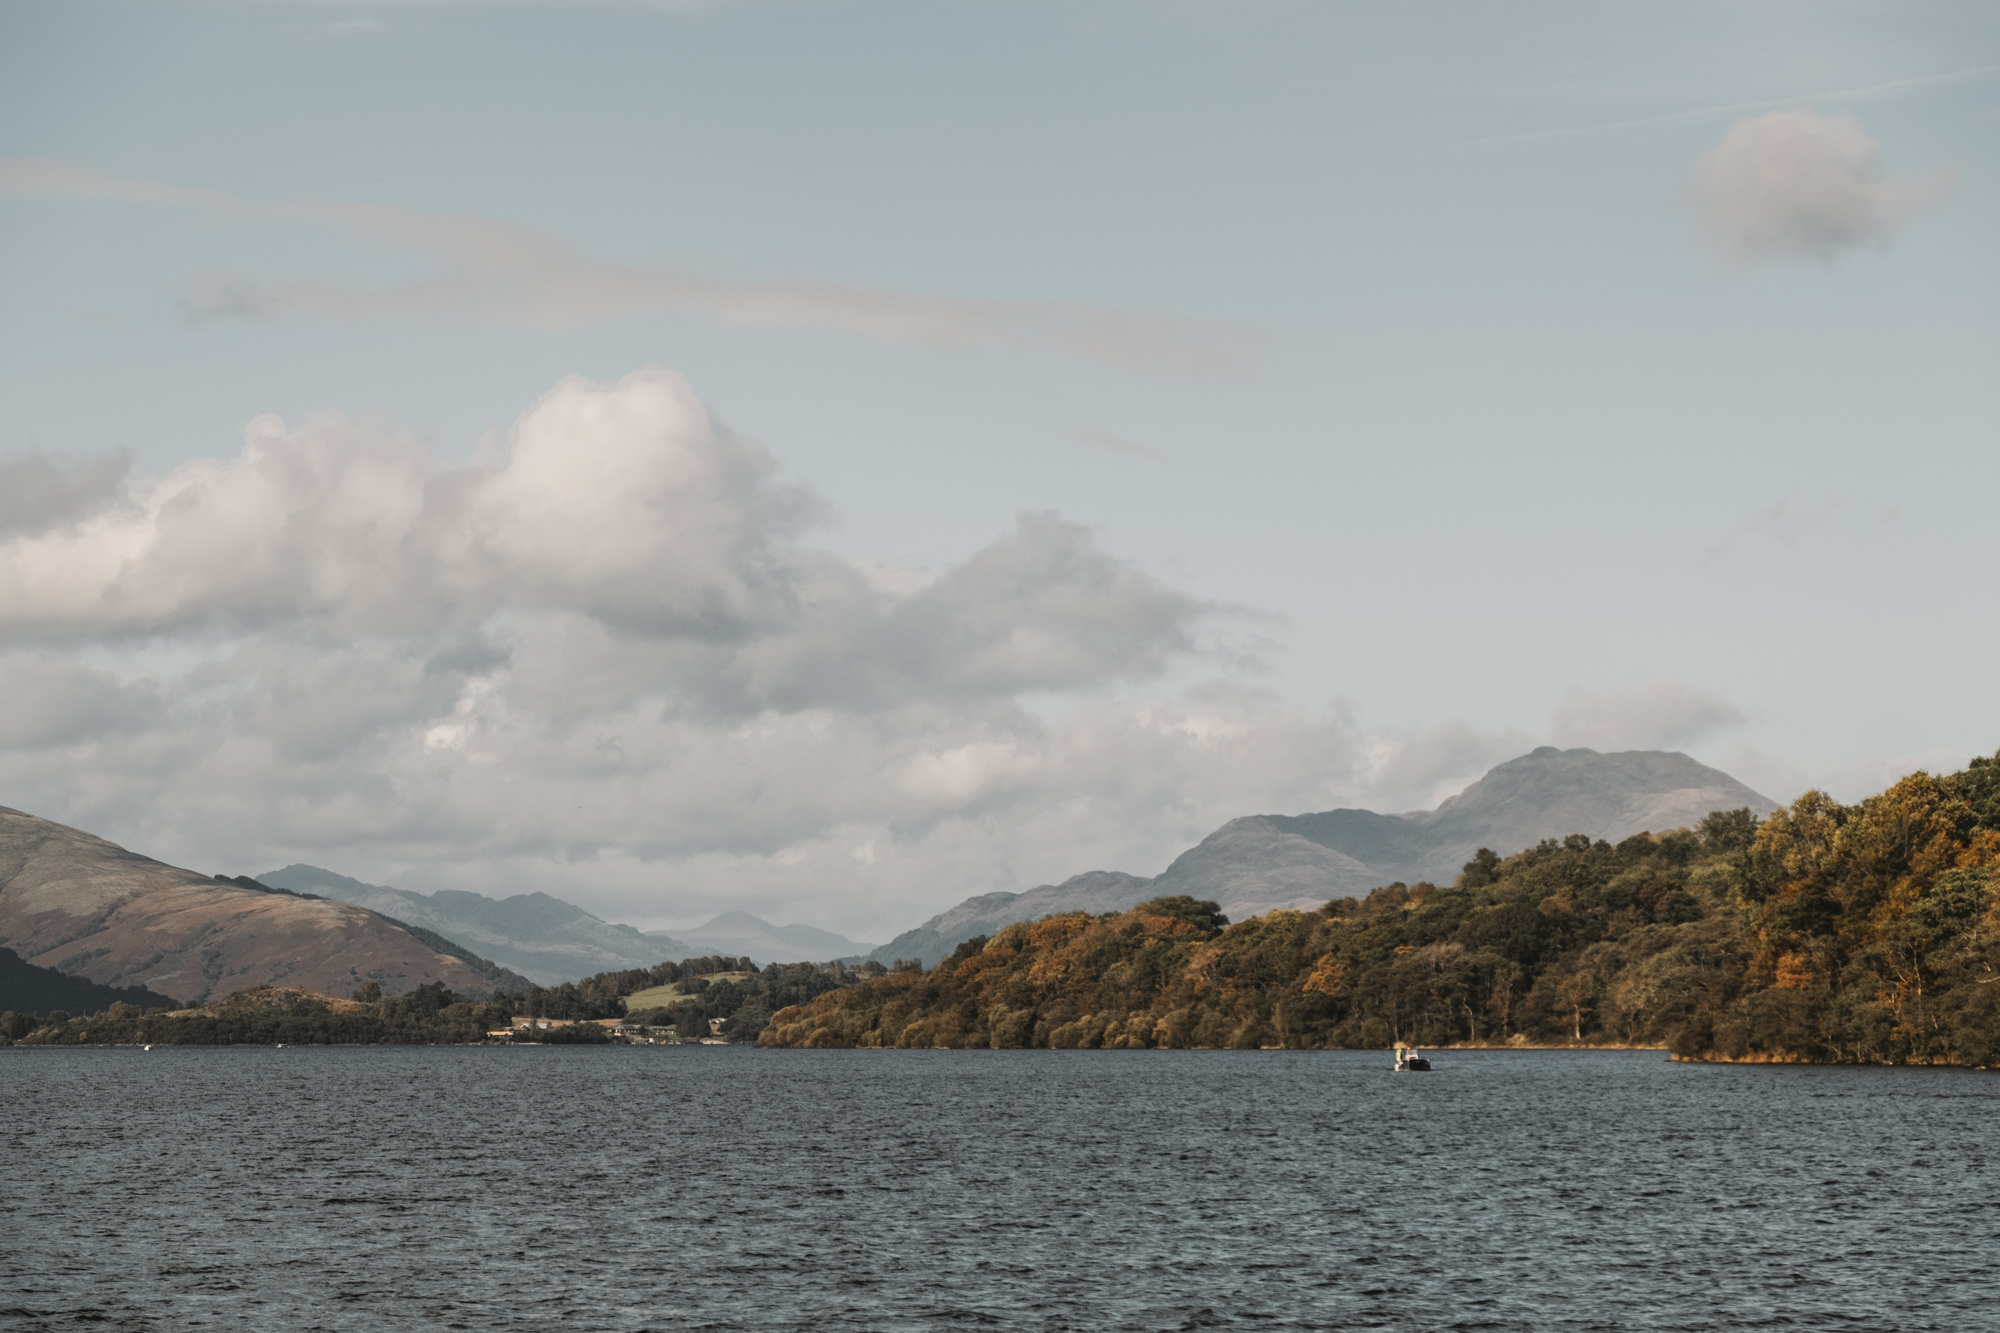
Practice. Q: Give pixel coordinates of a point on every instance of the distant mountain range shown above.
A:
(544, 939)
(1260, 863)
(91, 909)
(548, 940)
(741, 933)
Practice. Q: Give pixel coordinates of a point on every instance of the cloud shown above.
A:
(38, 492)
(1416, 771)
(659, 539)
(1796, 184)
(1871, 92)
(47, 702)
(1659, 715)
(1878, 772)
(1788, 522)
(603, 660)
(495, 273)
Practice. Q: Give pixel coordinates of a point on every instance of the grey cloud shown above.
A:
(493, 272)
(1430, 765)
(311, 702)
(1796, 184)
(621, 805)
(39, 492)
(1041, 609)
(47, 702)
(1659, 715)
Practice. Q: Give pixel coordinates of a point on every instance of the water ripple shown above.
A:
(723, 1189)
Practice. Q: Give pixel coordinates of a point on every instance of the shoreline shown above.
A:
(1789, 1058)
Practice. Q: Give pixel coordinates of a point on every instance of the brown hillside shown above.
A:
(90, 908)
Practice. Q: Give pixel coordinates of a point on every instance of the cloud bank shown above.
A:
(1799, 185)
(1659, 715)
(603, 660)
(494, 273)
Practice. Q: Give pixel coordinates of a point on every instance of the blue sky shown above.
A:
(1406, 344)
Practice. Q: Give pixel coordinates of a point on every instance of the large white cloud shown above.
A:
(1797, 184)
(602, 660)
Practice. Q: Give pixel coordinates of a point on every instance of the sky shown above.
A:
(830, 459)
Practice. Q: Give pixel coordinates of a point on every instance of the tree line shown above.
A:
(433, 1014)
(269, 1015)
(1829, 932)
(742, 1003)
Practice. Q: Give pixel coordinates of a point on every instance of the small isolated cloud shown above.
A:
(1799, 185)
(489, 272)
(1659, 715)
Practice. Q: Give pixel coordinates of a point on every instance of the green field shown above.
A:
(666, 997)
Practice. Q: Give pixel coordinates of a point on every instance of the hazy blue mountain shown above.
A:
(743, 934)
(1259, 863)
(545, 939)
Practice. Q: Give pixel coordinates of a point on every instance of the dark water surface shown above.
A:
(722, 1188)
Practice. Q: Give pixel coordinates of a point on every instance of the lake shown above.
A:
(720, 1188)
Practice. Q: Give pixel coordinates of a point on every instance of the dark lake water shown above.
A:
(725, 1189)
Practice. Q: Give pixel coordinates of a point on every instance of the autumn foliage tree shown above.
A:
(1827, 932)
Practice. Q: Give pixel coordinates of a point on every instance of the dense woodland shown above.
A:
(30, 989)
(744, 1002)
(268, 1015)
(1830, 932)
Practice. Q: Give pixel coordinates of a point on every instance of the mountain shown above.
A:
(739, 933)
(27, 989)
(545, 939)
(1259, 863)
(1094, 891)
(91, 909)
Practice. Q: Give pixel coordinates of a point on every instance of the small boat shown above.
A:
(1409, 1060)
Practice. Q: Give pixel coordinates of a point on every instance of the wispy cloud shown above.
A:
(1870, 92)
(491, 272)
(1098, 439)
(1787, 522)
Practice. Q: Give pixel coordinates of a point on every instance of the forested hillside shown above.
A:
(731, 990)
(1868, 932)
(264, 1015)
(27, 989)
